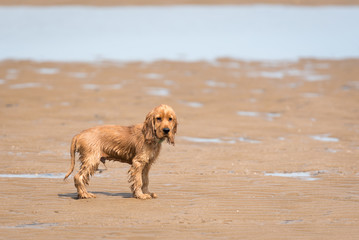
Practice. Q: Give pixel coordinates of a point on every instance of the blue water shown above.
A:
(189, 33)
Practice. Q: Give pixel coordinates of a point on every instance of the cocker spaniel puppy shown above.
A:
(138, 145)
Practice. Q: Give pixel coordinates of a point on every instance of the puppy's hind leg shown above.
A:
(82, 178)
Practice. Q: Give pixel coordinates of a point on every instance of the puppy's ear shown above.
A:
(175, 125)
(171, 137)
(148, 129)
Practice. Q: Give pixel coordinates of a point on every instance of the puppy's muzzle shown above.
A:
(166, 130)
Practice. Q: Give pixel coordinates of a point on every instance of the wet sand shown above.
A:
(265, 150)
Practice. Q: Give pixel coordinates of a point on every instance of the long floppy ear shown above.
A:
(148, 129)
(171, 139)
(175, 125)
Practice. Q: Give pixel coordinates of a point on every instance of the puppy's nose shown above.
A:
(166, 130)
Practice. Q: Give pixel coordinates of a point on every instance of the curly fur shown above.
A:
(138, 145)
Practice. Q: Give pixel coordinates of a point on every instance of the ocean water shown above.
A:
(187, 33)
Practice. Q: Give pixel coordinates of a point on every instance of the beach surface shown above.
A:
(264, 149)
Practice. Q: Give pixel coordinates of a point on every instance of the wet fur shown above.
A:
(138, 145)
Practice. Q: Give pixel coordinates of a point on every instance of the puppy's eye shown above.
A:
(170, 119)
(159, 119)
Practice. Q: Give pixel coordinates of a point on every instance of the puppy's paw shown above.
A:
(143, 196)
(153, 195)
(86, 195)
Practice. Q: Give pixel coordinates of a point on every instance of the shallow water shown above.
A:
(90, 86)
(206, 32)
(219, 140)
(307, 176)
(248, 114)
(311, 95)
(212, 83)
(34, 225)
(325, 138)
(248, 140)
(307, 74)
(25, 85)
(268, 116)
(78, 75)
(206, 140)
(157, 91)
(153, 76)
(192, 104)
(34, 175)
(48, 71)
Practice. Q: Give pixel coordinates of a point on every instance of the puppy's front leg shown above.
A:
(146, 181)
(135, 178)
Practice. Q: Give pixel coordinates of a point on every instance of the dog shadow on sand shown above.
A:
(74, 195)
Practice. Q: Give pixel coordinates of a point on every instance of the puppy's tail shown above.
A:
(72, 152)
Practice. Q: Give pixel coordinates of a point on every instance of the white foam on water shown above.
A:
(189, 33)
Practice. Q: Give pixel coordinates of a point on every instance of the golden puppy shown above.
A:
(138, 145)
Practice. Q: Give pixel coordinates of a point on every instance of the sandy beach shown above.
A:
(264, 150)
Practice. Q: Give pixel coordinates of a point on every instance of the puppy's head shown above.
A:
(160, 124)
